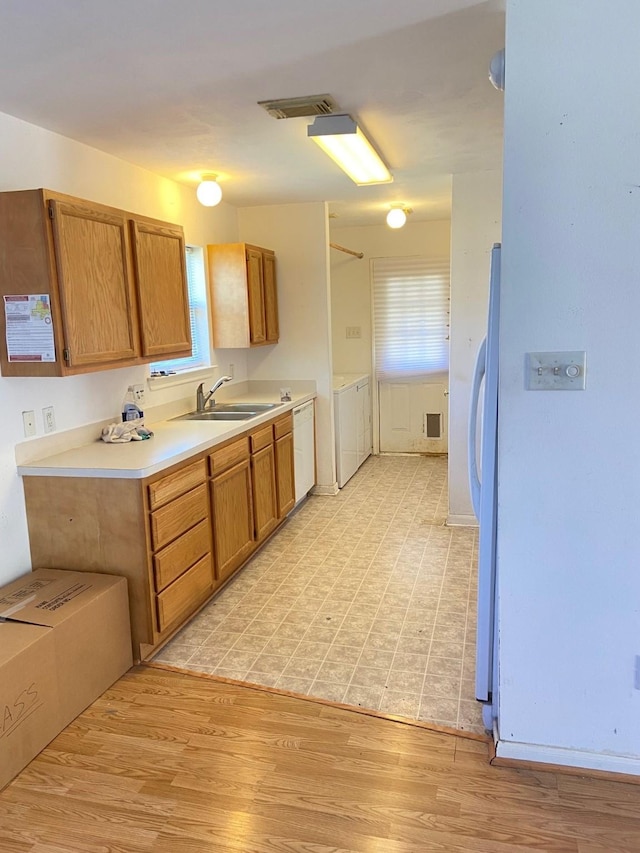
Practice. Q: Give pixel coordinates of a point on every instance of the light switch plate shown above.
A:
(556, 371)
(138, 393)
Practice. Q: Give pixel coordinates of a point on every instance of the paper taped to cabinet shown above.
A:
(29, 327)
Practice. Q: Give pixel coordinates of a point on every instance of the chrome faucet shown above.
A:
(202, 399)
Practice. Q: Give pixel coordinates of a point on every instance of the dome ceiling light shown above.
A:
(209, 192)
(397, 216)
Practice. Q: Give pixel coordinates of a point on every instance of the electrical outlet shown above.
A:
(354, 331)
(138, 393)
(49, 419)
(29, 423)
(232, 369)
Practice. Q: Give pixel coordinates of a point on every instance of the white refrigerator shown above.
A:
(483, 483)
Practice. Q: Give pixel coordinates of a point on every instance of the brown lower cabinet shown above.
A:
(263, 481)
(286, 484)
(232, 507)
(176, 602)
(177, 536)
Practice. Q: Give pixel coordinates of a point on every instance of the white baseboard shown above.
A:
(535, 753)
(325, 490)
(461, 521)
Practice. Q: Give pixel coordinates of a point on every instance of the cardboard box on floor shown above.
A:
(64, 639)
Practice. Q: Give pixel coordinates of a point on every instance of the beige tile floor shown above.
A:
(364, 598)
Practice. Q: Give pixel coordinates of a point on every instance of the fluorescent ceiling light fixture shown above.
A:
(341, 138)
(209, 192)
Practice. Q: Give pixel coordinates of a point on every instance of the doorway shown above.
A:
(410, 318)
(413, 417)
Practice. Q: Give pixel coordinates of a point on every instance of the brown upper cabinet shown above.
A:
(114, 283)
(244, 300)
(161, 279)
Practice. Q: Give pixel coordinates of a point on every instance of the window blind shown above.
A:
(411, 316)
(197, 291)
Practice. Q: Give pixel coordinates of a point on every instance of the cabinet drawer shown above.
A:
(228, 456)
(168, 522)
(176, 484)
(176, 558)
(283, 426)
(180, 599)
(262, 437)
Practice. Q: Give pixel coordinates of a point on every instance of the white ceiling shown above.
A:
(173, 87)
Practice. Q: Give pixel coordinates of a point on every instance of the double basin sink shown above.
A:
(229, 412)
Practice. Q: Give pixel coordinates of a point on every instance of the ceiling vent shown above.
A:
(307, 105)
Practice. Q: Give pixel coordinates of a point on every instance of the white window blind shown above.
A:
(196, 284)
(411, 316)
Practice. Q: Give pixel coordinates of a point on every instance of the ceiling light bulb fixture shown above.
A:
(397, 216)
(209, 192)
(340, 137)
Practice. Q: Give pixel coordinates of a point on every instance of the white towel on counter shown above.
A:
(121, 433)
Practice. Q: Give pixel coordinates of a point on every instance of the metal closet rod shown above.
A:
(346, 251)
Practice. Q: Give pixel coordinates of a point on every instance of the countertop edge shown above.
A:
(341, 382)
(54, 466)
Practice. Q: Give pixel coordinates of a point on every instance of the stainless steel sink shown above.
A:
(228, 412)
(216, 416)
(254, 408)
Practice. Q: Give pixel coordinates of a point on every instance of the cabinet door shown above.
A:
(232, 518)
(270, 297)
(285, 479)
(257, 331)
(95, 282)
(263, 481)
(161, 279)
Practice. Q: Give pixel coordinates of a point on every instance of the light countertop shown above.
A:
(346, 380)
(173, 441)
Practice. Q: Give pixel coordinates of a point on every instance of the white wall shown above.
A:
(298, 234)
(351, 280)
(475, 227)
(31, 157)
(569, 462)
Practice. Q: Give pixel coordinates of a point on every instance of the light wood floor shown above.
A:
(172, 763)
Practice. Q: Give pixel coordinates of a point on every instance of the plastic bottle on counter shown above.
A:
(130, 409)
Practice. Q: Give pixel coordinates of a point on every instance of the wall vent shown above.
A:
(306, 105)
(433, 424)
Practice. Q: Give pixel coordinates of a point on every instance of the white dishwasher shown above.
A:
(304, 450)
